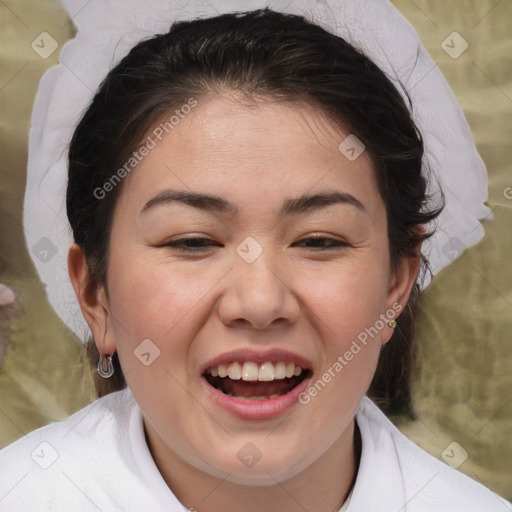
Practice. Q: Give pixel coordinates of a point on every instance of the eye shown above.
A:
(192, 244)
(322, 243)
(199, 244)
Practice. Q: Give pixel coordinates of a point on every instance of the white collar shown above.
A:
(379, 478)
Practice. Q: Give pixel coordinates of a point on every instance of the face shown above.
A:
(288, 296)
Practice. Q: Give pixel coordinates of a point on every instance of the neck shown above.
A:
(322, 487)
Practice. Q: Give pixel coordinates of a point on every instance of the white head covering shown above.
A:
(106, 32)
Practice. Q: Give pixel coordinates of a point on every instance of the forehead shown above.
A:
(223, 125)
(236, 149)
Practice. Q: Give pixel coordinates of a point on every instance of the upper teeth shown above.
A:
(250, 371)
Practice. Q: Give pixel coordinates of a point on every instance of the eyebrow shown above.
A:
(216, 204)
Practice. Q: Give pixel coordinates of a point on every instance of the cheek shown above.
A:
(152, 301)
(347, 309)
(148, 294)
(347, 299)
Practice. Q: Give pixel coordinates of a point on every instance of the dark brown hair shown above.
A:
(259, 54)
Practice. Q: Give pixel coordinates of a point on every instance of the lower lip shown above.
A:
(257, 409)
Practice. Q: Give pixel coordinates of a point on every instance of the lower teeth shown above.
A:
(252, 397)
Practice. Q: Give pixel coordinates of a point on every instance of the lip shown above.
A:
(259, 357)
(257, 409)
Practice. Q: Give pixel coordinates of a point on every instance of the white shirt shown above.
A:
(98, 459)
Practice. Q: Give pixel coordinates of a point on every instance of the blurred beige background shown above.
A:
(464, 392)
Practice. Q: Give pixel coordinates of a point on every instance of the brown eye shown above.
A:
(322, 243)
(195, 244)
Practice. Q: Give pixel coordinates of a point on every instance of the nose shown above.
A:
(259, 295)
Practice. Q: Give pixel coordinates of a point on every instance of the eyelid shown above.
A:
(320, 236)
(208, 242)
(336, 243)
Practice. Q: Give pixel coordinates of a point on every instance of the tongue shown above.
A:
(248, 389)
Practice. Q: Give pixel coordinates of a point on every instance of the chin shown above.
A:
(259, 472)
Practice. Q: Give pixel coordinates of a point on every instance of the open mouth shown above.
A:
(252, 381)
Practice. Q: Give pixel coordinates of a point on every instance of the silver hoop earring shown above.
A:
(105, 367)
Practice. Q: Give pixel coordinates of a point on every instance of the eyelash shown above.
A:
(179, 245)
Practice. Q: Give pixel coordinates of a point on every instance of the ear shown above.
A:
(93, 301)
(401, 282)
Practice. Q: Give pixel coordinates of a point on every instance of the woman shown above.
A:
(248, 208)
